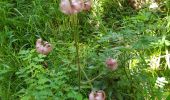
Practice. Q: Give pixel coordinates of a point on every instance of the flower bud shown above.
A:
(77, 5)
(38, 43)
(92, 96)
(71, 6)
(99, 95)
(43, 47)
(65, 7)
(111, 64)
(47, 49)
(40, 49)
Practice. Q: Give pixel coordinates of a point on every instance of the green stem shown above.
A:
(78, 59)
(76, 40)
(89, 81)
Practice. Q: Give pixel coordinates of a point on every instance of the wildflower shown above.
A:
(77, 5)
(99, 95)
(155, 62)
(43, 47)
(71, 6)
(153, 6)
(87, 5)
(160, 82)
(111, 64)
(66, 7)
(92, 96)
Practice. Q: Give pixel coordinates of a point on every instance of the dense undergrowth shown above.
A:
(138, 39)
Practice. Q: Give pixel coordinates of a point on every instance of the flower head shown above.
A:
(43, 47)
(87, 5)
(153, 6)
(71, 6)
(99, 95)
(160, 82)
(111, 64)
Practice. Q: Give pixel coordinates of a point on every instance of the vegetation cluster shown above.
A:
(84, 50)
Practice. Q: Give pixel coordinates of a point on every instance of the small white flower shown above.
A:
(160, 82)
(155, 62)
(153, 6)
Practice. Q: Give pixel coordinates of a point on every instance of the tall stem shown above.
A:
(77, 56)
(76, 40)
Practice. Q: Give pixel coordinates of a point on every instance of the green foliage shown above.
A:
(138, 39)
(40, 82)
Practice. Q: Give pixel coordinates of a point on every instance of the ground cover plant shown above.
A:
(84, 49)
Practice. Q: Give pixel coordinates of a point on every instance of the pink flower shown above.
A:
(92, 96)
(65, 7)
(38, 43)
(43, 47)
(111, 64)
(99, 95)
(77, 5)
(87, 5)
(47, 49)
(71, 6)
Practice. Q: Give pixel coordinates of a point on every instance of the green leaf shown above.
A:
(168, 98)
(43, 80)
(167, 43)
(79, 97)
